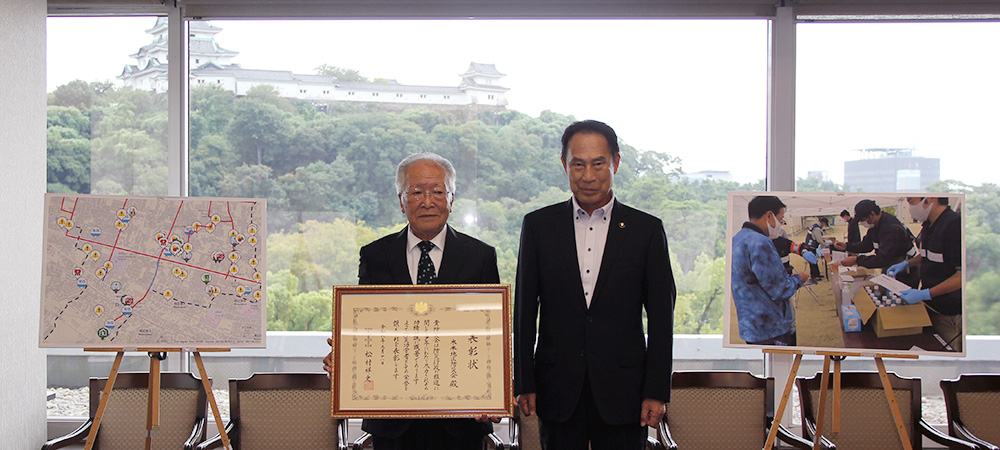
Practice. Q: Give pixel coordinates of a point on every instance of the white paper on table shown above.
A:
(890, 283)
(842, 269)
(845, 277)
(838, 256)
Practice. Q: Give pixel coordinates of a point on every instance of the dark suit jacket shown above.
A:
(605, 342)
(466, 260)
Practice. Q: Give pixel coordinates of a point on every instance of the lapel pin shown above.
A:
(621, 224)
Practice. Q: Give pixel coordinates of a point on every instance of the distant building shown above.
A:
(891, 170)
(711, 175)
(211, 64)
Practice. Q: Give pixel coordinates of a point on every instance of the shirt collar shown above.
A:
(604, 211)
(412, 240)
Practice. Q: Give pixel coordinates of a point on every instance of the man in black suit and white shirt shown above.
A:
(586, 269)
(427, 251)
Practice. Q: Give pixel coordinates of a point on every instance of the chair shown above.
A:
(182, 413)
(866, 421)
(281, 410)
(971, 402)
(492, 442)
(715, 410)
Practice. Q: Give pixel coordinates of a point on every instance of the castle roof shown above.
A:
(489, 70)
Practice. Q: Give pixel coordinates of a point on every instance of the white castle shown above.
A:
(211, 64)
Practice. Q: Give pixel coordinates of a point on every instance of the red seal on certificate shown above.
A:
(369, 385)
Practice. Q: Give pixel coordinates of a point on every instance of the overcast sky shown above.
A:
(693, 89)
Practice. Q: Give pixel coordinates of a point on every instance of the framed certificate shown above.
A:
(421, 351)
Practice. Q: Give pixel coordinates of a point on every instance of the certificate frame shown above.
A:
(406, 338)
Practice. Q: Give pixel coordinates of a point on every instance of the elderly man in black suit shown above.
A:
(586, 269)
(426, 251)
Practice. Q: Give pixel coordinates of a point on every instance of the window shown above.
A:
(107, 112)
(906, 107)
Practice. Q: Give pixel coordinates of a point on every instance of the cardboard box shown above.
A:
(850, 317)
(891, 320)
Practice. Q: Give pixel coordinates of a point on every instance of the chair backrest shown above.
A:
(528, 435)
(283, 410)
(866, 421)
(972, 400)
(710, 410)
(182, 405)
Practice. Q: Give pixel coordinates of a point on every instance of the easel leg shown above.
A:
(773, 433)
(153, 402)
(893, 405)
(823, 387)
(211, 401)
(836, 394)
(92, 436)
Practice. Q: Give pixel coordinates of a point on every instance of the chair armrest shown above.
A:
(515, 432)
(786, 436)
(216, 441)
(342, 435)
(197, 434)
(962, 432)
(362, 441)
(652, 443)
(809, 429)
(493, 442)
(665, 440)
(71, 438)
(951, 442)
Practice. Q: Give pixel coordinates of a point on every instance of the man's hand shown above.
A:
(849, 261)
(804, 276)
(487, 419)
(840, 245)
(328, 360)
(913, 296)
(527, 404)
(895, 269)
(652, 412)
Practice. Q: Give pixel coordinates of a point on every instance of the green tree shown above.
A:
(341, 74)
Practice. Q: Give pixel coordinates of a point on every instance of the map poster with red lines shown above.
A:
(130, 272)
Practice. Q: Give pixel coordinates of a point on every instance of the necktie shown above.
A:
(425, 267)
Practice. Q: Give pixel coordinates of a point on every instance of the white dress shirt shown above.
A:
(591, 235)
(413, 252)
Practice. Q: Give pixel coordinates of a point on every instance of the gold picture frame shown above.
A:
(421, 351)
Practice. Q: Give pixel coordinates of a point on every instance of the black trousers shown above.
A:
(427, 435)
(585, 426)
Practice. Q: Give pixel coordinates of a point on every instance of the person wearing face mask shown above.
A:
(891, 241)
(761, 288)
(939, 263)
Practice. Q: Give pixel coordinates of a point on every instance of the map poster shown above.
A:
(153, 272)
(422, 351)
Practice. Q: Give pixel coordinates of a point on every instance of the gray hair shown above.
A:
(449, 170)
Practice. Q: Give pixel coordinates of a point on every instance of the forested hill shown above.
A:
(328, 178)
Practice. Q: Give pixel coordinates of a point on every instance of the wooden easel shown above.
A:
(836, 357)
(153, 405)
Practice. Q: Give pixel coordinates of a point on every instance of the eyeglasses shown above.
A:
(419, 195)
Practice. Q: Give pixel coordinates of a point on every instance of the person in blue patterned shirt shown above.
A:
(760, 286)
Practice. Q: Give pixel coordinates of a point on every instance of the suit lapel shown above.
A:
(452, 259)
(565, 242)
(612, 247)
(396, 256)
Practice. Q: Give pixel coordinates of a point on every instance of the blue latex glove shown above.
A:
(897, 268)
(912, 296)
(819, 254)
(810, 257)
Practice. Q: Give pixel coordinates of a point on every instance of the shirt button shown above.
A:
(588, 249)
(591, 228)
(590, 319)
(588, 270)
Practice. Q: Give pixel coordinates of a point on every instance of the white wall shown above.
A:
(22, 184)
